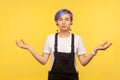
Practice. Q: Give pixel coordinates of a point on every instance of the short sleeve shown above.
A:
(81, 49)
(46, 48)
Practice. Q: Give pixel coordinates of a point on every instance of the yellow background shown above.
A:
(94, 20)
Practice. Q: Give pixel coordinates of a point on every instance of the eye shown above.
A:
(67, 19)
(60, 19)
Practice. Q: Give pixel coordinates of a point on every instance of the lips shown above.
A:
(63, 26)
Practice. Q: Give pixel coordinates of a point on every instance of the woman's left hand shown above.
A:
(103, 46)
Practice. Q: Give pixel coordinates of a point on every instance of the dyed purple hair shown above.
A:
(61, 12)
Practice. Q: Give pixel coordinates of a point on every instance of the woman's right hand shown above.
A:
(22, 44)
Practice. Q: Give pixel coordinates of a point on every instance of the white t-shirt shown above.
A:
(64, 45)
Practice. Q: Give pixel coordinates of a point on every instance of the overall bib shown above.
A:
(63, 67)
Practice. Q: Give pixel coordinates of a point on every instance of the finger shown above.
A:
(108, 45)
(105, 43)
(18, 44)
(22, 41)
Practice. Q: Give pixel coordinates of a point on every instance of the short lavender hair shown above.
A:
(63, 11)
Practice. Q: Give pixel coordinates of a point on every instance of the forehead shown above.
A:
(66, 15)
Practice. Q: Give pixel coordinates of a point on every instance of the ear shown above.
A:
(56, 23)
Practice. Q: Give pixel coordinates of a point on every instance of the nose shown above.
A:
(64, 22)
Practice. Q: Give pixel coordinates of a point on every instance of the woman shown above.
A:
(63, 46)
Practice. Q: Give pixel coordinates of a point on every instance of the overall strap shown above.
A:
(72, 44)
(55, 45)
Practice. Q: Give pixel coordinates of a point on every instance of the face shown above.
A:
(64, 22)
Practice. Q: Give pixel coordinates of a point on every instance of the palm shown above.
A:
(22, 44)
(104, 46)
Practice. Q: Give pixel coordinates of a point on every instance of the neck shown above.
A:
(64, 34)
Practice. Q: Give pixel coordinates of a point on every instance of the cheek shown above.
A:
(59, 23)
(69, 23)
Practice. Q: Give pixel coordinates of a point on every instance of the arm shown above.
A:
(40, 58)
(84, 60)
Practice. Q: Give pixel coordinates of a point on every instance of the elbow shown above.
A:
(84, 65)
(43, 63)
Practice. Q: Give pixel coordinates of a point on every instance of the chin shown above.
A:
(64, 30)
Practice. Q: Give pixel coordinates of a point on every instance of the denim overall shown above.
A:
(63, 67)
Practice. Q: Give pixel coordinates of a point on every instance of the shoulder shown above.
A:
(51, 36)
(77, 37)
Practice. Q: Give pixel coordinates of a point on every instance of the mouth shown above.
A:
(63, 26)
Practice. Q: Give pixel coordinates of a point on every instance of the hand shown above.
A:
(103, 46)
(22, 44)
